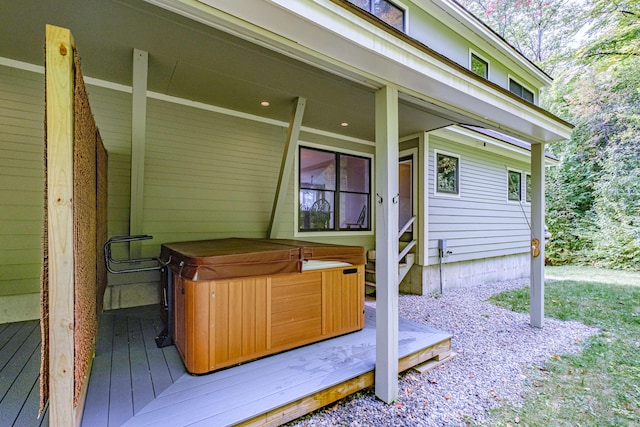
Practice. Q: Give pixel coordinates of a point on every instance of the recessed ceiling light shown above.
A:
(265, 103)
(344, 124)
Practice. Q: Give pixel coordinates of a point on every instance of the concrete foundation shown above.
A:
(423, 280)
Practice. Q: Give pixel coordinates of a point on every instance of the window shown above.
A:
(447, 174)
(334, 191)
(514, 186)
(527, 184)
(479, 66)
(520, 90)
(384, 10)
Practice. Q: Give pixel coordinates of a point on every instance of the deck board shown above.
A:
(18, 351)
(21, 387)
(135, 383)
(237, 394)
(120, 399)
(141, 381)
(19, 374)
(96, 406)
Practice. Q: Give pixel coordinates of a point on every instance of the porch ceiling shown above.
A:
(190, 60)
(193, 61)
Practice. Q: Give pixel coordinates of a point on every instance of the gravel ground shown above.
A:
(496, 351)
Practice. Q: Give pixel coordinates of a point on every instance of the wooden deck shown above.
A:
(20, 375)
(133, 383)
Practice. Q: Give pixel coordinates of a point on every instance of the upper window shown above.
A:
(514, 186)
(520, 90)
(479, 66)
(447, 174)
(384, 10)
(335, 191)
(527, 184)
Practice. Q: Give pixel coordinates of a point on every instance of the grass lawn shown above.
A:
(601, 385)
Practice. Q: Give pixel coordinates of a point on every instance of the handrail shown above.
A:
(406, 250)
(108, 259)
(406, 226)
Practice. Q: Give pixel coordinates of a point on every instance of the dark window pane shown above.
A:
(363, 4)
(515, 87)
(317, 169)
(389, 13)
(521, 91)
(479, 66)
(514, 186)
(383, 9)
(447, 174)
(316, 210)
(354, 212)
(333, 186)
(405, 184)
(354, 174)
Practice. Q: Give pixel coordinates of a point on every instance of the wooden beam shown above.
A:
(387, 148)
(138, 140)
(286, 166)
(59, 116)
(537, 233)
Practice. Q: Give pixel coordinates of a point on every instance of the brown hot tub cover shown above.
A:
(239, 257)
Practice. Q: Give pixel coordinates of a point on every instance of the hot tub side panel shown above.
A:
(219, 323)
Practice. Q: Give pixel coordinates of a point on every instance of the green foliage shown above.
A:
(593, 195)
(599, 385)
(616, 26)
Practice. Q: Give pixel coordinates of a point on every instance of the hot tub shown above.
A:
(236, 300)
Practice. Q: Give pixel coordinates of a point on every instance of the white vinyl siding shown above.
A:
(480, 223)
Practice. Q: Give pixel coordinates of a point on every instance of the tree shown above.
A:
(616, 27)
(600, 94)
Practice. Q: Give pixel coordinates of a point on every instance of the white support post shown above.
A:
(138, 139)
(387, 148)
(537, 233)
(423, 200)
(286, 167)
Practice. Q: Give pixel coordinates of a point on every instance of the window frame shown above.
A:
(336, 230)
(522, 86)
(437, 193)
(520, 193)
(473, 53)
(402, 7)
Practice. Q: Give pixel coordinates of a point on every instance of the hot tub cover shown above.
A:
(239, 257)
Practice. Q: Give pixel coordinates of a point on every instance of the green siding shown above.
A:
(481, 223)
(21, 180)
(207, 175)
